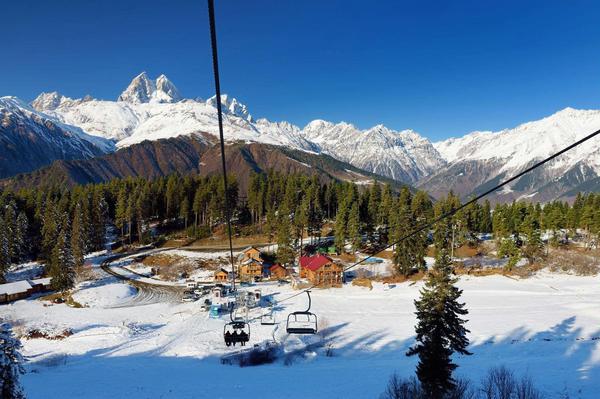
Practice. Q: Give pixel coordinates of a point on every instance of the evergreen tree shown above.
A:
(10, 226)
(78, 242)
(440, 329)
(62, 264)
(50, 228)
(285, 252)
(98, 220)
(508, 249)
(409, 252)
(10, 364)
(271, 225)
(354, 230)
(4, 252)
(21, 237)
(184, 211)
(340, 227)
(485, 224)
(121, 210)
(534, 247)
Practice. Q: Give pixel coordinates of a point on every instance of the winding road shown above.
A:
(147, 293)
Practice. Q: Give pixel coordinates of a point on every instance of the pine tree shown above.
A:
(121, 210)
(10, 364)
(409, 252)
(285, 252)
(50, 228)
(10, 226)
(184, 211)
(508, 249)
(4, 251)
(485, 224)
(440, 329)
(534, 247)
(340, 227)
(271, 225)
(62, 264)
(354, 230)
(21, 237)
(78, 242)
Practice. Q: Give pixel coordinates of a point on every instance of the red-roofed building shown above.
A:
(321, 270)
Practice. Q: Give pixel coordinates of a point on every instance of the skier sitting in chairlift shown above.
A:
(243, 338)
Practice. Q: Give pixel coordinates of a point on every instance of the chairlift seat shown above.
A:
(236, 332)
(302, 323)
(267, 320)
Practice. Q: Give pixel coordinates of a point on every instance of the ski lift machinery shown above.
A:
(302, 322)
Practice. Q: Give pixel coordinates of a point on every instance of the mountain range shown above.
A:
(154, 111)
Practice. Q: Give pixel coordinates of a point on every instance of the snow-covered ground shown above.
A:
(547, 327)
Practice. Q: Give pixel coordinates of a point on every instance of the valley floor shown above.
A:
(546, 326)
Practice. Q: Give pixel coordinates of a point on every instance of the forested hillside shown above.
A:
(60, 225)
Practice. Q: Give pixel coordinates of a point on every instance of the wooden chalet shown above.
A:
(321, 270)
(250, 269)
(221, 275)
(277, 271)
(251, 253)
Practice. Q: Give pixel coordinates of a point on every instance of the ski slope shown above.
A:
(546, 326)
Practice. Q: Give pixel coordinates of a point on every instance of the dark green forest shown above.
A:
(59, 226)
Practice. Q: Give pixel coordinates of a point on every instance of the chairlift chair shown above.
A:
(237, 330)
(302, 322)
(267, 318)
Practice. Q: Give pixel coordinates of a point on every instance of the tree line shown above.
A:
(59, 225)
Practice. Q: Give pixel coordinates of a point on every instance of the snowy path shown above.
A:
(149, 290)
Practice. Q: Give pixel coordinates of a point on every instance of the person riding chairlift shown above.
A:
(228, 338)
(243, 338)
(235, 337)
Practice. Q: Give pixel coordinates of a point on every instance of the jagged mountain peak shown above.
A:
(142, 90)
(166, 90)
(49, 101)
(232, 106)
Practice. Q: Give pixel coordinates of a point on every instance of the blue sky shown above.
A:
(442, 68)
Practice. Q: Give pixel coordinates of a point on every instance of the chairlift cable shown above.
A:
(428, 225)
(454, 211)
(213, 42)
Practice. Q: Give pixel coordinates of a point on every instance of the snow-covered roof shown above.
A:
(15, 288)
(43, 281)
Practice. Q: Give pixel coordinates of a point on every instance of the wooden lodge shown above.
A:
(251, 269)
(274, 271)
(23, 289)
(222, 275)
(251, 253)
(321, 270)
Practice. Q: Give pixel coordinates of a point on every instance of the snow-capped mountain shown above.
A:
(480, 158)
(143, 90)
(30, 139)
(152, 110)
(404, 156)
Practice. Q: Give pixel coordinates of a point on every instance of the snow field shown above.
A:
(546, 327)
